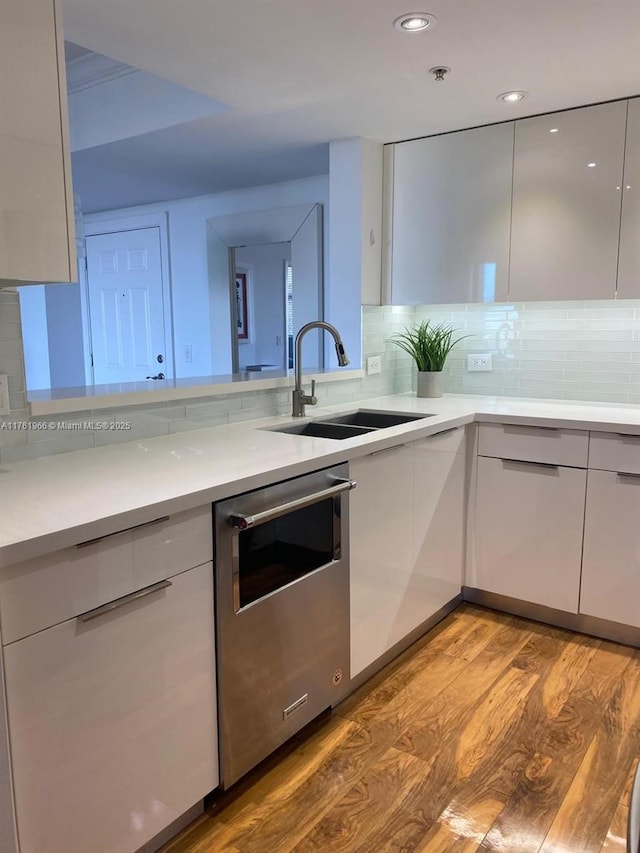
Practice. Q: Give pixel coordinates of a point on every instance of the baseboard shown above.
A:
(595, 627)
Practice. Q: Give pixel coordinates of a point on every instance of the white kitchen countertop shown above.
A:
(61, 500)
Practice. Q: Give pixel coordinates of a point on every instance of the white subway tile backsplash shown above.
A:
(11, 350)
(9, 330)
(199, 423)
(16, 382)
(213, 407)
(565, 350)
(140, 429)
(56, 443)
(250, 414)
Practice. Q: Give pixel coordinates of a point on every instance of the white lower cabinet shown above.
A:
(611, 559)
(406, 540)
(112, 721)
(528, 531)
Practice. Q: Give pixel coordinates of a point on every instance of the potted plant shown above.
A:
(428, 345)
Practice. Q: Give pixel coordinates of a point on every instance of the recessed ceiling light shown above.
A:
(554, 130)
(512, 97)
(415, 22)
(591, 165)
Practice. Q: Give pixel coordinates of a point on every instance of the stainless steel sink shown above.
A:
(352, 424)
(375, 418)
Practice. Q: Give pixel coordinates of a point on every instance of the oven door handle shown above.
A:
(244, 522)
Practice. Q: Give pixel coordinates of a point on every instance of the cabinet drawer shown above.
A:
(611, 556)
(613, 452)
(520, 549)
(113, 721)
(39, 593)
(568, 447)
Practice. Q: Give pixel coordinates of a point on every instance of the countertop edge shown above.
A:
(491, 410)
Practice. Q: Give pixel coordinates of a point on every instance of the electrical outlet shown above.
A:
(374, 364)
(4, 395)
(187, 353)
(479, 362)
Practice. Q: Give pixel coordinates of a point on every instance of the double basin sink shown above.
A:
(356, 423)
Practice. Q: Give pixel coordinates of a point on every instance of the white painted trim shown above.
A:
(97, 223)
(83, 284)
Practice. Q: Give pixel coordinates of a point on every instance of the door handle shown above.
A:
(243, 522)
(157, 376)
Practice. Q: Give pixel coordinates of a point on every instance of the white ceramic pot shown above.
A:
(430, 383)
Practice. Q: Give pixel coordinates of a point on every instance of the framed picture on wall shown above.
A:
(242, 306)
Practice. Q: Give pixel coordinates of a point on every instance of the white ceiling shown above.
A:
(297, 74)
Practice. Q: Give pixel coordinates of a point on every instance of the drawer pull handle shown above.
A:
(126, 530)
(628, 436)
(386, 449)
(628, 475)
(443, 432)
(528, 463)
(243, 522)
(120, 602)
(519, 428)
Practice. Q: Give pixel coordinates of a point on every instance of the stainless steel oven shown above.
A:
(282, 612)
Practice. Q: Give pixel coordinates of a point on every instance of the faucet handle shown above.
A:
(313, 399)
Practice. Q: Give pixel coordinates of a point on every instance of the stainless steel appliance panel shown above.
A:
(282, 603)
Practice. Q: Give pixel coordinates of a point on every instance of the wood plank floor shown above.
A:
(492, 733)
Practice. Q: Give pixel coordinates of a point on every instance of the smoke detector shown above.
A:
(439, 72)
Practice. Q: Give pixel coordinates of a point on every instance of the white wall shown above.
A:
(188, 257)
(355, 225)
(33, 307)
(52, 333)
(64, 325)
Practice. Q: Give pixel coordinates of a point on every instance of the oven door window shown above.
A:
(279, 552)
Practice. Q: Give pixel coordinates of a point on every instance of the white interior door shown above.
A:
(124, 282)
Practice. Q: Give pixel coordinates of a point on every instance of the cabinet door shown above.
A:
(380, 525)
(629, 261)
(611, 559)
(36, 209)
(528, 531)
(451, 214)
(406, 543)
(567, 174)
(112, 721)
(438, 521)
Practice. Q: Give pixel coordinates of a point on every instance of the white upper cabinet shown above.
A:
(629, 262)
(567, 178)
(450, 217)
(36, 205)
